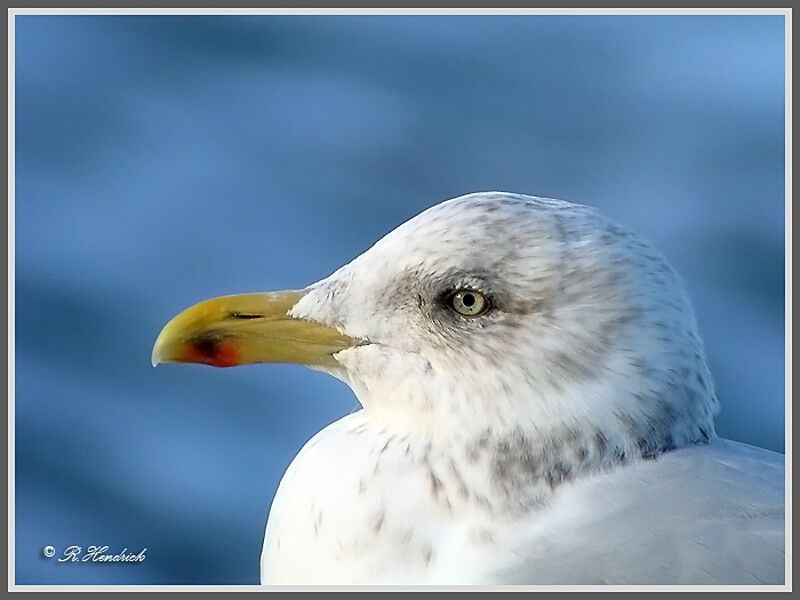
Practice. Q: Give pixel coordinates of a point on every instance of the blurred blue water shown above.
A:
(163, 160)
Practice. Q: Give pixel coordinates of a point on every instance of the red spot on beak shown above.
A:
(216, 353)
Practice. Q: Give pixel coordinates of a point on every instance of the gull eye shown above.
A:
(469, 303)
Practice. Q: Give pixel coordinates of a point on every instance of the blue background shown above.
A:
(165, 160)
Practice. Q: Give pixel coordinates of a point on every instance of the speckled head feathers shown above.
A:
(589, 333)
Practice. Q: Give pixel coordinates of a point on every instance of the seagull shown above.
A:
(536, 408)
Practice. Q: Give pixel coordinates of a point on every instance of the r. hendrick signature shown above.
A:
(99, 554)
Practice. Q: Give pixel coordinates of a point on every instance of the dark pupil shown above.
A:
(468, 299)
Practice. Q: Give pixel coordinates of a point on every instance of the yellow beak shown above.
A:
(246, 329)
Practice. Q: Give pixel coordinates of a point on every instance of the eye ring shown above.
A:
(469, 303)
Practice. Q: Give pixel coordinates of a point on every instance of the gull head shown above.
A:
(491, 312)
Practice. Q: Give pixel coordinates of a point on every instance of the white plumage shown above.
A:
(537, 408)
(563, 437)
(705, 514)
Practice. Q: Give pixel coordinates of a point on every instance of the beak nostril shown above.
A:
(238, 315)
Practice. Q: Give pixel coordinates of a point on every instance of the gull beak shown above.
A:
(246, 329)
